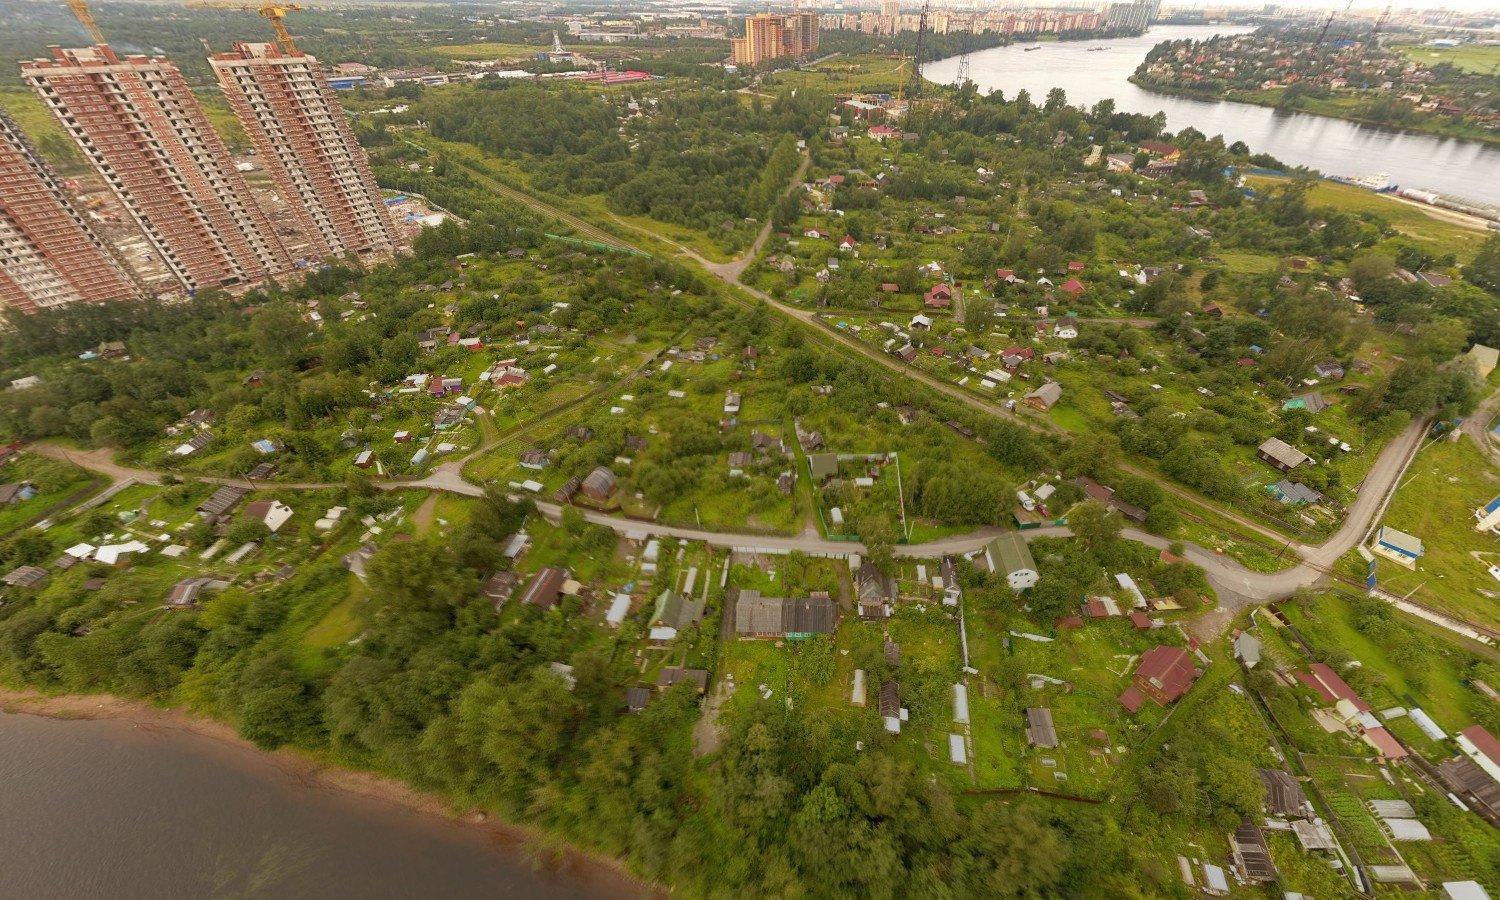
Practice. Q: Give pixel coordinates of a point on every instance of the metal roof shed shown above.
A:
(1392, 875)
(1429, 727)
(956, 751)
(1215, 882)
(1407, 830)
(1392, 809)
(1040, 730)
(1465, 890)
(961, 704)
(618, 610)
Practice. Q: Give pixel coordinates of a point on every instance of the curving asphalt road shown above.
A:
(1237, 586)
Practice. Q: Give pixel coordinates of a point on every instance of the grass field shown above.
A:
(867, 72)
(486, 50)
(716, 246)
(1242, 263)
(1446, 483)
(55, 482)
(1410, 220)
(1470, 59)
(1439, 685)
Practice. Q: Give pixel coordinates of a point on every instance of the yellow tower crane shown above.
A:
(275, 13)
(85, 17)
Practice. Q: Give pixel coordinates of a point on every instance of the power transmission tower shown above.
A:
(1324, 33)
(962, 77)
(916, 72)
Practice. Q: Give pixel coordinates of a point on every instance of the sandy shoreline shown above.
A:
(534, 846)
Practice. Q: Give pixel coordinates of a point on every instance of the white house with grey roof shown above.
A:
(1398, 546)
(1008, 555)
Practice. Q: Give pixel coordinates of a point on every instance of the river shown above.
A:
(122, 809)
(1332, 146)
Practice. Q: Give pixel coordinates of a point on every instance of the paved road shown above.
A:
(1237, 586)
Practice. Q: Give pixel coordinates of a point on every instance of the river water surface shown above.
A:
(1090, 71)
(112, 809)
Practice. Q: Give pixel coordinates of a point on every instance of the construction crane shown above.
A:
(85, 18)
(275, 13)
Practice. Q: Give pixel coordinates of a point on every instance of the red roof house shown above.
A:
(940, 296)
(1132, 699)
(1484, 743)
(1330, 686)
(1385, 743)
(1072, 286)
(1164, 675)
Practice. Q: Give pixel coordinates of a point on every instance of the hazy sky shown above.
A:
(1469, 6)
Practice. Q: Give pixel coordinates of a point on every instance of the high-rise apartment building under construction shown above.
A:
(139, 125)
(49, 257)
(304, 142)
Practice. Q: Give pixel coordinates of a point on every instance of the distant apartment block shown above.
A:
(49, 257)
(139, 125)
(304, 142)
(770, 36)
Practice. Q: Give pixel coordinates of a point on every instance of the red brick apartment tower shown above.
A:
(304, 141)
(139, 125)
(49, 257)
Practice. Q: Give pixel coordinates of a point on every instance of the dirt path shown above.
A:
(708, 735)
(101, 460)
(1477, 426)
(422, 518)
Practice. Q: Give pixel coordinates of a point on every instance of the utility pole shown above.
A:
(901, 498)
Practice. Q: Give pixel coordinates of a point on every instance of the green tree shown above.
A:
(1009, 852)
(1095, 525)
(1484, 270)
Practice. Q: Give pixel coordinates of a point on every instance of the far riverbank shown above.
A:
(1326, 109)
(1093, 71)
(284, 823)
